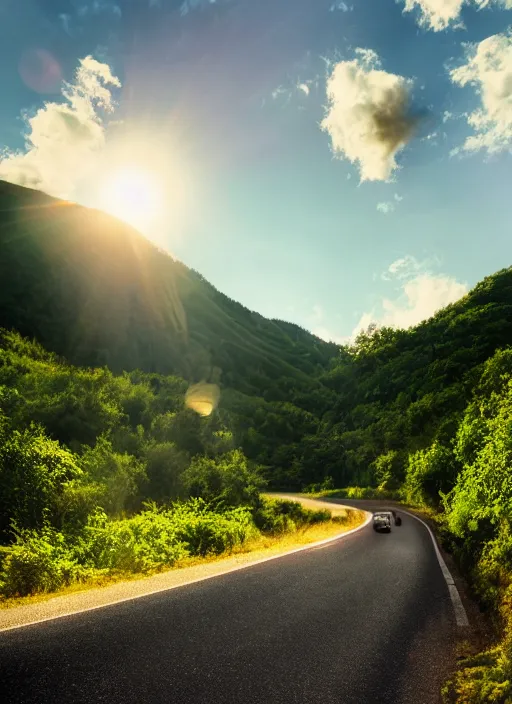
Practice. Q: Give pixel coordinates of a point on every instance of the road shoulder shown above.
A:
(94, 598)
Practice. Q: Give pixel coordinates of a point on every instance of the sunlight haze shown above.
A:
(134, 196)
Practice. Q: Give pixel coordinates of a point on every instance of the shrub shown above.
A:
(164, 466)
(158, 537)
(429, 473)
(145, 542)
(38, 562)
(277, 516)
(205, 532)
(226, 480)
(33, 473)
(120, 473)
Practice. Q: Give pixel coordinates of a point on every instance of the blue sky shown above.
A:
(323, 162)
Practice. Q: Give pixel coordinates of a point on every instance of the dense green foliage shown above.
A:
(102, 474)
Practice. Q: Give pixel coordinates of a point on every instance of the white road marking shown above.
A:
(461, 616)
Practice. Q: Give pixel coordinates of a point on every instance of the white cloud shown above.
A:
(441, 14)
(386, 207)
(191, 5)
(368, 117)
(420, 294)
(319, 328)
(99, 6)
(304, 88)
(389, 206)
(340, 5)
(63, 139)
(447, 115)
(65, 20)
(436, 14)
(325, 334)
(489, 70)
(281, 91)
(403, 267)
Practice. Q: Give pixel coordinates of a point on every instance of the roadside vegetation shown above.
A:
(103, 476)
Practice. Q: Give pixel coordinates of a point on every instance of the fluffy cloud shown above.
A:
(63, 139)
(389, 206)
(489, 70)
(420, 294)
(436, 14)
(441, 14)
(386, 207)
(402, 268)
(340, 5)
(368, 118)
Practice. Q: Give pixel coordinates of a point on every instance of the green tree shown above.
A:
(34, 471)
(122, 475)
(227, 480)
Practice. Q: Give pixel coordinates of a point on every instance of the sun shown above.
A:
(133, 195)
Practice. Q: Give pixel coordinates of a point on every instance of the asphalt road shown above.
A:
(366, 619)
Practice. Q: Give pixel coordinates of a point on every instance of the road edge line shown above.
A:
(461, 616)
(324, 541)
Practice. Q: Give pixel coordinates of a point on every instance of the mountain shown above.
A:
(398, 391)
(93, 290)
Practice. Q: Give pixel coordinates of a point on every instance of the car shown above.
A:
(397, 520)
(382, 521)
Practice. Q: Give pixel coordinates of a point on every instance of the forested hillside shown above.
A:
(94, 290)
(398, 391)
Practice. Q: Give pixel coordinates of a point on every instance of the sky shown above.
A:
(324, 162)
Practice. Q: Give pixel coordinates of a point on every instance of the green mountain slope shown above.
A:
(400, 390)
(95, 291)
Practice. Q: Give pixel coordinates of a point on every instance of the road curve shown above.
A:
(365, 619)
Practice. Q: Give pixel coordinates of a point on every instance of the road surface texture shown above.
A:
(366, 619)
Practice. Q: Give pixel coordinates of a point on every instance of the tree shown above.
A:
(34, 471)
(226, 480)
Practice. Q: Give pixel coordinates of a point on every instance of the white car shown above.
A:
(382, 521)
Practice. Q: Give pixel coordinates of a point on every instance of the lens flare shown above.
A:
(40, 71)
(202, 398)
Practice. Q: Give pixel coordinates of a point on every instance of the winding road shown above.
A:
(362, 620)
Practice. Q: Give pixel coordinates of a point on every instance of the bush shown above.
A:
(33, 473)
(120, 473)
(360, 492)
(158, 538)
(429, 473)
(277, 516)
(483, 679)
(38, 562)
(226, 480)
(165, 465)
(145, 542)
(205, 532)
